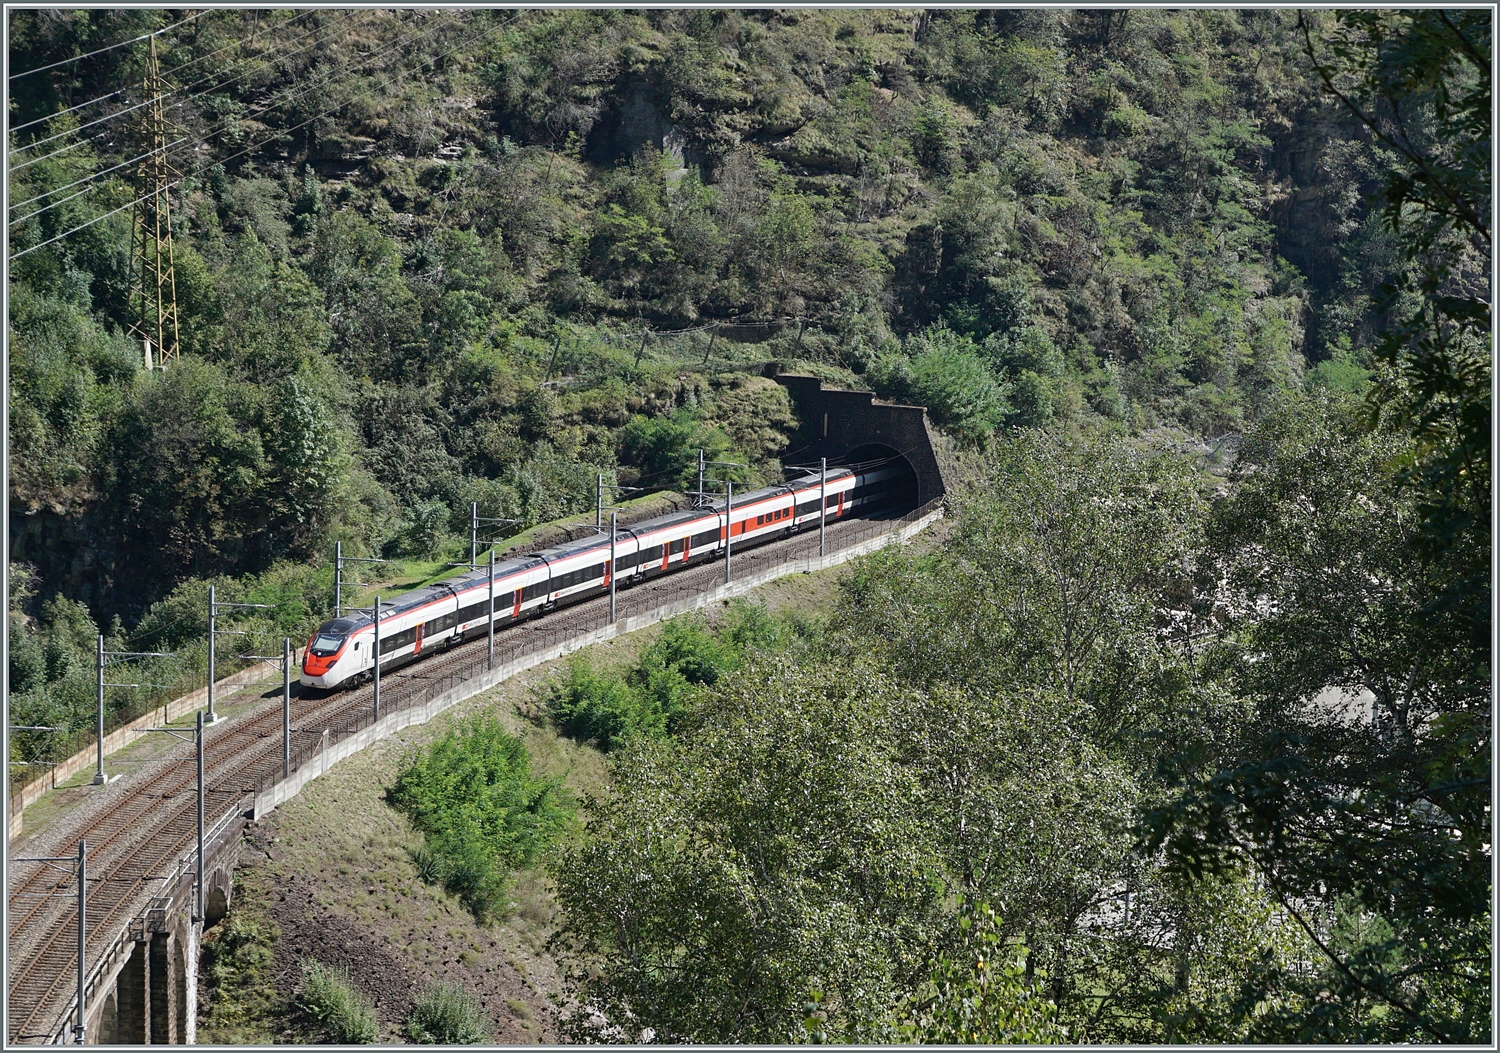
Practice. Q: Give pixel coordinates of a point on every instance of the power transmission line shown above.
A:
(265, 61)
(91, 54)
(239, 153)
(166, 73)
(178, 142)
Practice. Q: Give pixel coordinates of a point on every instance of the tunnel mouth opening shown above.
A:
(902, 494)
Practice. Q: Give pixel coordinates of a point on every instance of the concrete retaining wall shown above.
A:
(332, 753)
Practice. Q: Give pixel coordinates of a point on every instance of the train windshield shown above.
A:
(326, 644)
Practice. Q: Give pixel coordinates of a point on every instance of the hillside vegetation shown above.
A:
(1182, 754)
(1142, 218)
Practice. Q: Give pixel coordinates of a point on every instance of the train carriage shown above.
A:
(414, 624)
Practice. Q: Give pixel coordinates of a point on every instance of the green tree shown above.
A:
(376, 320)
(1420, 81)
(978, 994)
(1362, 551)
(772, 852)
(1361, 786)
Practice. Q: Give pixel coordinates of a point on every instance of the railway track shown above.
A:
(139, 827)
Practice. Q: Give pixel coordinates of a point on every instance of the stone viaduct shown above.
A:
(144, 990)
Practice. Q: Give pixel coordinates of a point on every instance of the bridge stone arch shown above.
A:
(107, 1027)
(849, 426)
(217, 892)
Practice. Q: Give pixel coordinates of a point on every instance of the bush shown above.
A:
(959, 391)
(472, 794)
(652, 698)
(329, 997)
(602, 709)
(687, 645)
(446, 1015)
(945, 372)
(665, 449)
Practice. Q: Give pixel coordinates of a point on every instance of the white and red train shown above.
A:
(411, 625)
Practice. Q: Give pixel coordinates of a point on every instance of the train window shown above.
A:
(760, 520)
(708, 537)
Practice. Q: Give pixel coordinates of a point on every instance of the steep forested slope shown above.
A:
(417, 254)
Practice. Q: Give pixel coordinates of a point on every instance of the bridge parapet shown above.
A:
(143, 988)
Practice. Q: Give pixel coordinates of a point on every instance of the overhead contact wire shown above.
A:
(165, 73)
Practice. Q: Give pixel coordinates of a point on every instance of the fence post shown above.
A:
(286, 707)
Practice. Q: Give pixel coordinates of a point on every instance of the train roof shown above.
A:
(480, 575)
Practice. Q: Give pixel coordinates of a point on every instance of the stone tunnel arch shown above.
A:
(845, 425)
(903, 489)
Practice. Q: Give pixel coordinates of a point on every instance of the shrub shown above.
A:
(472, 795)
(447, 1015)
(595, 707)
(652, 698)
(687, 645)
(329, 997)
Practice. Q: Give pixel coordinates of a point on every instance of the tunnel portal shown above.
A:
(850, 427)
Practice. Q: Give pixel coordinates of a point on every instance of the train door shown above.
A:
(417, 642)
(515, 610)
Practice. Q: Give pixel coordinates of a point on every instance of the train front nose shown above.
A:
(318, 672)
